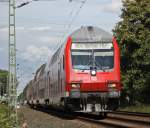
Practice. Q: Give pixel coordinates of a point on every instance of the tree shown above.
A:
(3, 81)
(134, 28)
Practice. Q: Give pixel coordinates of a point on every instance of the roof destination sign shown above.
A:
(85, 46)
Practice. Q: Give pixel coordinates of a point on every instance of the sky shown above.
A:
(41, 26)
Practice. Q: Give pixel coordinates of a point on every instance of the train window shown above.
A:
(48, 73)
(81, 59)
(102, 59)
(55, 56)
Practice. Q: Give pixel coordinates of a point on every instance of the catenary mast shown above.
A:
(12, 81)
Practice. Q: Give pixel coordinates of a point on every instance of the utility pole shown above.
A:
(12, 86)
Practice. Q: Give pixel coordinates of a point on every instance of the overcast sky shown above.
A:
(41, 26)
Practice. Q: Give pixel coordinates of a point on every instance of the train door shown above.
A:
(49, 85)
(62, 67)
(46, 84)
(38, 90)
(59, 79)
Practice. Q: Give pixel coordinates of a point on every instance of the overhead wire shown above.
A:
(72, 11)
(77, 13)
(72, 21)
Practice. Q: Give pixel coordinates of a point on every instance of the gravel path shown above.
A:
(38, 119)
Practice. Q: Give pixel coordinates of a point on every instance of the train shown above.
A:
(82, 75)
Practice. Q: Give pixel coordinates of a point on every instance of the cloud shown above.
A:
(113, 7)
(54, 39)
(40, 28)
(1, 49)
(35, 53)
(4, 29)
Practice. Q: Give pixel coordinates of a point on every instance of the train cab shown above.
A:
(92, 70)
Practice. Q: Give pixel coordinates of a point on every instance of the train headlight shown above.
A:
(112, 85)
(93, 72)
(74, 85)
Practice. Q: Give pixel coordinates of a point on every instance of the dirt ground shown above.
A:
(38, 119)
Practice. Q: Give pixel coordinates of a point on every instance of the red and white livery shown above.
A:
(82, 75)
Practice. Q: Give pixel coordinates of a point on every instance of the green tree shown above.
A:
(133, 33)
(3, 81)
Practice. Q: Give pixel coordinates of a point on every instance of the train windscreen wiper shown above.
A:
(99, 66)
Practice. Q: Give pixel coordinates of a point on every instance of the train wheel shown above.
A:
(103, 114)
(63, 103)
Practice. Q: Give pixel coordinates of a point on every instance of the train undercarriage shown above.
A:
(86, 102)
(90, 102)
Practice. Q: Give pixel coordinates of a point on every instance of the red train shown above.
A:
(82, 75)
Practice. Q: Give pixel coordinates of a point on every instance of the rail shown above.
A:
(114, 119)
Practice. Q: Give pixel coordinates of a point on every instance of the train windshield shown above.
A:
(104, 59)
(101, 59)
(81, 59)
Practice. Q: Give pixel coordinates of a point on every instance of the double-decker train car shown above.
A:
(82, 75)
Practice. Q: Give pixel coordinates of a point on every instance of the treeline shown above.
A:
(22, 96)
(3, 82)
(133, 33)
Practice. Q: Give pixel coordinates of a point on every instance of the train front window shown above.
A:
(86, 56)
(80, 59)
(101, 59)
(104, 59)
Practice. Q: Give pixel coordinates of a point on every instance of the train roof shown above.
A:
(91, 34)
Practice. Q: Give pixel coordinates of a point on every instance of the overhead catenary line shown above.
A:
(77, 13)
(71, 22)
(70, 16)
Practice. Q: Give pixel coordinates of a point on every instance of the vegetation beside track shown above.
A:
(3, 82)
(8, 118)
(137, 108)
(133, 34)
(5, 121)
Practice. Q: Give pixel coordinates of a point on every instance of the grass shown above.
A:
(137, 108)
(6, 121)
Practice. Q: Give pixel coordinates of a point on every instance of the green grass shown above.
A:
(137, 108)
(5, 120)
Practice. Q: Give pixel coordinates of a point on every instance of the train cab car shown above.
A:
(92, 70)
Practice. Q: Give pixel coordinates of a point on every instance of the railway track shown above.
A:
(117, 119)
(131, 113)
